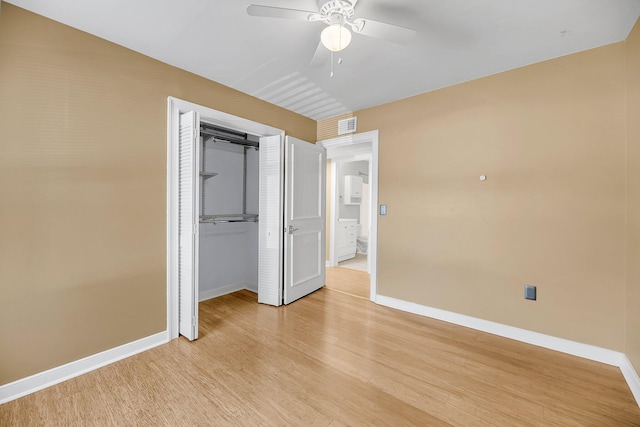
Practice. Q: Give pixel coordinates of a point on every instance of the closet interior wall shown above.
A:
(228, 250)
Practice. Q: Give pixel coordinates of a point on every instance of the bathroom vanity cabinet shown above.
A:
(346, 238)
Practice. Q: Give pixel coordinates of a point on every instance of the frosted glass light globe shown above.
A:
(335, 37)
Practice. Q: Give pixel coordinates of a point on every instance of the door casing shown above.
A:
(347, 147)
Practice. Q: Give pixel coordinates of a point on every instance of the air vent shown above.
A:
(347, 125)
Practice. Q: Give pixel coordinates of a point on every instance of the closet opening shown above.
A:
(228, 212)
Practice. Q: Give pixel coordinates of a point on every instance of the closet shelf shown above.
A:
(227, 218)
(206, 175)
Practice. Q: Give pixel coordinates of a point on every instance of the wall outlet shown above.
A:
(530, 292)
(383, 209)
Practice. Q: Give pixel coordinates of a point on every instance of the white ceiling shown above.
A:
(457, 41)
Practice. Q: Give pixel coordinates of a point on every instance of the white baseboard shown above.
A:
(45, 379)
(218, 292)
(587, 351)
(632, 377)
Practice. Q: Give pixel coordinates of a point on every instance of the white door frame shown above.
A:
(176, 106)
(349, 146)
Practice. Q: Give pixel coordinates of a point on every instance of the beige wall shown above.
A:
(633, 198)
(83, 189)
(551, 139)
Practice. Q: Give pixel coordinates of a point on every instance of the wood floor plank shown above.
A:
(349, 281)
(331, 359)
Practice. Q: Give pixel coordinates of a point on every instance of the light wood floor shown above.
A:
(352, 282)
(330, 359)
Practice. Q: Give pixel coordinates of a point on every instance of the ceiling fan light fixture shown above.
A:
(335, 37)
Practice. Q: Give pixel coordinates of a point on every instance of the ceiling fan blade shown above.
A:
(278, 12)
(382, 30)
(320, 57)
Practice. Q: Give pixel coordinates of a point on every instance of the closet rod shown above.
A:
(226, 221)
(226, 218)
(232, 139)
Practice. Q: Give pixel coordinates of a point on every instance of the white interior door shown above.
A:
(270, 223)
(188, 252)
(304, 219)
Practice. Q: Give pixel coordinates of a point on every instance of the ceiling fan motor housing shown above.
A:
(336, 11)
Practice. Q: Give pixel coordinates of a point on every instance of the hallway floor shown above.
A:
(357, 263)
(348, 281)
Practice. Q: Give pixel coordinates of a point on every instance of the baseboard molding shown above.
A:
(218, 292)
(591, 352)
(599, 354)
(62, 373)
(630, 374)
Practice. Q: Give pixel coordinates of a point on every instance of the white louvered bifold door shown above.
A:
(270, 221)
(189, 219)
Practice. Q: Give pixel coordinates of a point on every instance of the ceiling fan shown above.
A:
(339, 17)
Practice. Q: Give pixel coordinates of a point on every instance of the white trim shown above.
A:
(347, 145)
(45, 379)
(586, 351)
(224, 290)
(630, 374)
(172, 217)
(333, 215)
(176, 106)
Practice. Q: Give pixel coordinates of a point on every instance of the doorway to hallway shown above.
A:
(352, 221)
